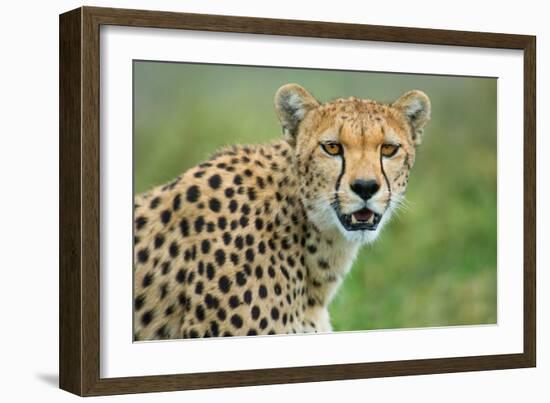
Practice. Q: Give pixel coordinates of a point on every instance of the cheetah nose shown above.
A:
(365, 189)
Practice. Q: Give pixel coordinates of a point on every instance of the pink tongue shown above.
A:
(362, 215)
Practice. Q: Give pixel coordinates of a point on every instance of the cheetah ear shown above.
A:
(292, 102)
(417, 108)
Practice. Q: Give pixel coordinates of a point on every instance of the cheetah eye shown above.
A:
(332, 148)
(389, 150)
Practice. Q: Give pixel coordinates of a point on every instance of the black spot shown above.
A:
(159, 240)
(143, 255)
(184, 227)
(263, 323)
(163, 290)
(210, 271)
(249, 239)
(224, 284)
(199, 287)
(190, 277)
(249, 255)
(222, 223)
(240, 278)
(234, 224)
(214, 328)
(252, 332)
(165, 268)
(226, 238)
(261, 247)
(154, 203)
(174, 249)
(239, 242)
(234, 301)
(147, 280)
(274, 313)
(193, 334)
(238, 180)
(311, 249)
(229, 193)
(271, 271)
(182, 299)
(147, 317)
(285, 244)
(255, 311)
(199, 224)
(233, 206)
(165, 216)
(176, 203)
(260, 182)
(323, 264)
(237, 321)
(251, 194)
(140, 222)
(169, 311)
(221, 314)
(198, 174)
(139, 302)
(199, 313)
(200, 269)
(162, 332)
(193, 193)
(205, 246)
(277, 289)
(247, 297)
(245, 209)
(180, 276)
(214, 205)
(259, 272)
(211, 301)
(234, 259)
(285, 272)
(259, 223)
(220, 257)
(262, 291)
(210, 227)
(215, 181)
(243, 221)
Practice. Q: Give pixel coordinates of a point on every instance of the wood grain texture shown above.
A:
(70, 186)
(80, 196)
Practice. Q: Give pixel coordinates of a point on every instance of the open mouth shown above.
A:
(363, 219)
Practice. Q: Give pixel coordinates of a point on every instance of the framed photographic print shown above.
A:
(251, 201)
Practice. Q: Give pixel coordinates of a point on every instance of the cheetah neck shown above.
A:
(328, 266)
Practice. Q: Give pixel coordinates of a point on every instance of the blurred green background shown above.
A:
(435, 264)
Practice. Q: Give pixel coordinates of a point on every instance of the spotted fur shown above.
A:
(249, 242)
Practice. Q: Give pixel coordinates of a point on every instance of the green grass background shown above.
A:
(434, 265)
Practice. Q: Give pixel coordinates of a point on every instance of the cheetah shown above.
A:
(257, 239)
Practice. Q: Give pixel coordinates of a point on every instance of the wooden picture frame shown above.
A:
(79, 346)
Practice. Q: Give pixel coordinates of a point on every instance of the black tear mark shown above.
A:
(407, 162)
(337, 187)
(385, 176)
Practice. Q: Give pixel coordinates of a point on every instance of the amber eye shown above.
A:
(332, 148)
(389, 150)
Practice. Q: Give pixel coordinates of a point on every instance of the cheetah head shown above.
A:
(353, 156)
